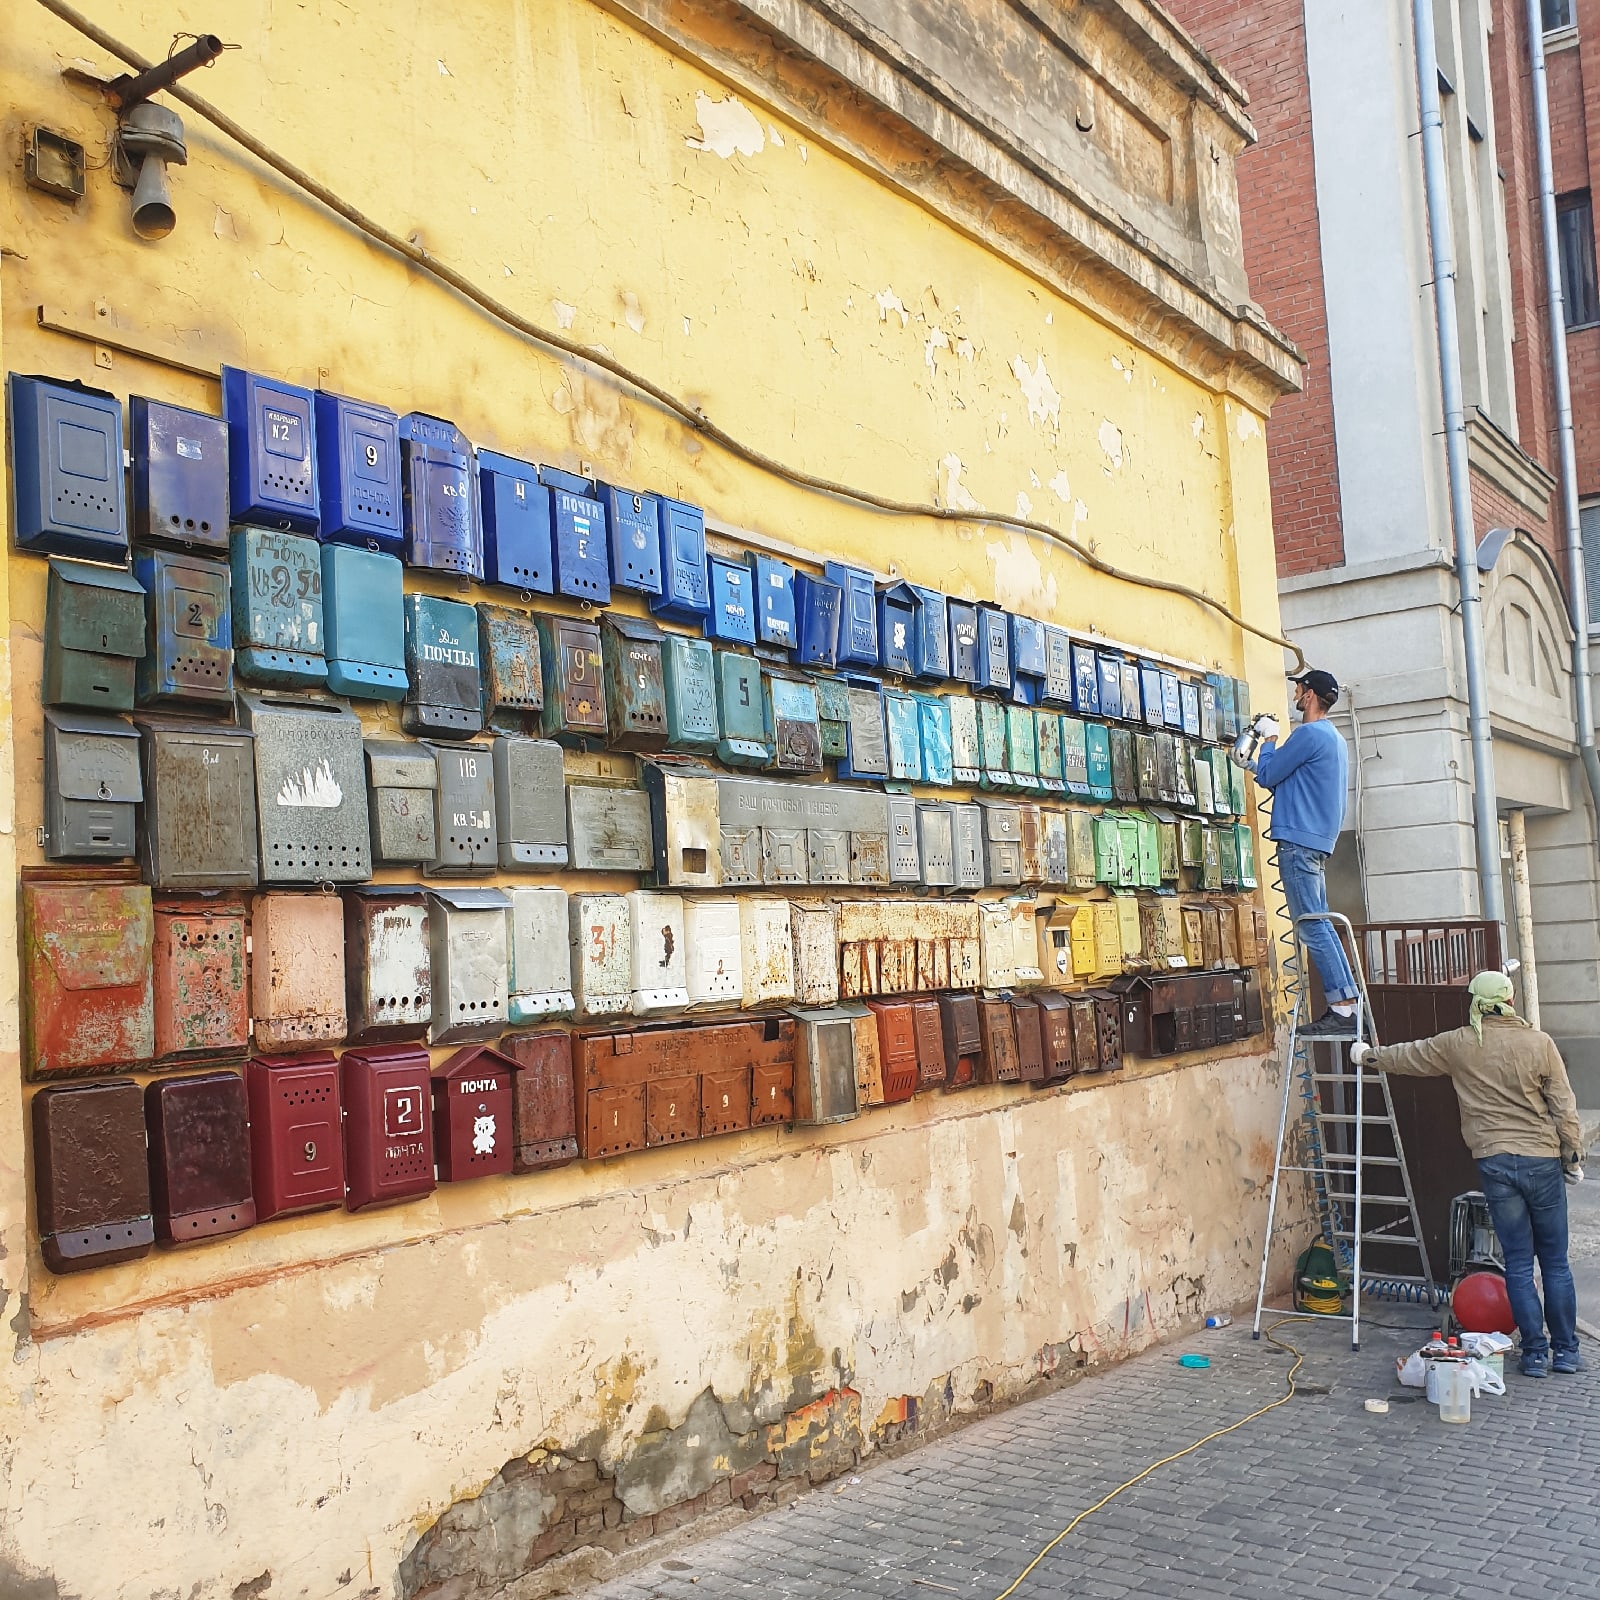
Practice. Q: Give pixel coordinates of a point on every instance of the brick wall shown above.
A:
(1263, 45)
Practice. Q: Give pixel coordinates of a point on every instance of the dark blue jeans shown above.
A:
(1305, 888)
(1528, 1200)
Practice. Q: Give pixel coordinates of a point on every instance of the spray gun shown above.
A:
(1248, 745)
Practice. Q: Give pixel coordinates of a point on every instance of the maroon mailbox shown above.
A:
(547, 1133)
(296, 1142)
(199, 1156)
(473, 1127)
(388, 1124)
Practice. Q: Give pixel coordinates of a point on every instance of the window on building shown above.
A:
(1575, 244)
(1557, 15)
(1589, 527)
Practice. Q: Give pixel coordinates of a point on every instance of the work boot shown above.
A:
(1330, 1025)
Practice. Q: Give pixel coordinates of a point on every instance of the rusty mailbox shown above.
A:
(469, 943)
(638, 1089)
(766, 952)
(609, 825)
(199, 1132)
(202, 1004)
(1028, 1024)
(793, 723)
(1085, 1033)
(963, 1042)
(296, 1133)
(468, 836)
(998, 1032)
(388, 968)
(1055, 1016)
(473, 1114)
(713, 952)
(86, 956)
(574, 687)
(825, 1079)
(388, 1124)
(199, 825)
(546, 1132)
(530, 803)
(311, 802)
(660, 966)
(513, 679)
(91, 1178)
(816, 953)
(929, 1030)
(93, 635)
(600, 934)
(897, 1048)
(1108, 1017)
(297, 971)
(686, 825)
(635, 683)
(91, 786)
(402, 809)
(541, 956)
(996, 946)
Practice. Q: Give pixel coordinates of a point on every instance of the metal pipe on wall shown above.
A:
(1522, 910)
(1491, 900)
(1560, 383)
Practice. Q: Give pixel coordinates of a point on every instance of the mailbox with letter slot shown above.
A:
(827, 855)
(994, 650)
(903, 726)
(1128, 760)
(91, 1177)
(439, 495)
(582, 563)
(86, 957)
(296, 1134)
(685, 585)
(272, 452)
(545, 1130)
(199, 1133)
(180, 475)
(574, 691)
(67, 487)
(869, 858)
(713, 957)
(277, 608)
(1171, 700)
(905, 856)
(1085, 681)
(825, 1083)
(898, 608)
(1129, 692)
(641, 1088)
(601, 939)
(1055, 1018)
(998, 1030)
(858, 617)
(929, 1030)
(1075, 756)
(833, 713)
(1057, 688)
(635, 686)
(91, 786)
(993, 773)
(741, 712)
(1097, 752)
(311, 803)
(609, 828)
(1166, 767)
(996, 949)
(1022, 751)
(816, 953)
(474, 1119)
(199, 825)
(784, 855)
(1209, 730)
(1029, 660)
(930, 635)
(363, 614)
(732, 619)
(388, 967)
(1030, 819)
(1189, 701)
(202, 1004)
(513, 679)
(964, 646)
(936, 824)
(691, 683)
(469, 942)
(1057, 852)
(766, 951)
(358, 472)
(934, 735)
(541, 955)
(529, 800)
(897, 1048)
(819, 610)
(94, 636)
(966, 748)
(1110, 670)
(776, 622)
(633, 537)
(793, 726)
(741, 857)
(660, 968)
(963, 1043)
(518, 524)
(967, 839)
(402, 780)
(297, 989)
(445, 696)
(189, 633)
(1047, 747)
(1002, 844)
(387, 1093)
(866, 745)
(685, 821)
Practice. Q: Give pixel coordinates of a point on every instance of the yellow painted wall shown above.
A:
(305, 1397)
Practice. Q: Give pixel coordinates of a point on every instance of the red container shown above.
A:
(388, 1124)
(897, 1048)
(199, 1156)
(474, 1133)
(296, 1138)
(202, 1005)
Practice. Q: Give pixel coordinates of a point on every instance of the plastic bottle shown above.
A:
(1219, 1319)
(1455, 1392)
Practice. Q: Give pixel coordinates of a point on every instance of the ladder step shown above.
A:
(1378, 1238)
(1338, 1158)
(1349, 1116)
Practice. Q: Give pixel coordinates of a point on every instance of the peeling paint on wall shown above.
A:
(727, 127)
(889, 301)
(952, 492)
(1111, 443)
(1044, 401)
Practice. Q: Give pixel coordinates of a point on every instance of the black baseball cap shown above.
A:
(1322, 684)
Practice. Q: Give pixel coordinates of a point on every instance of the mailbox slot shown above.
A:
(388, 968)
(91, 786)
(91, 1178)
(402, 781)
(660, 970)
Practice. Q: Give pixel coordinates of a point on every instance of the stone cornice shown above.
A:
(1493, 452)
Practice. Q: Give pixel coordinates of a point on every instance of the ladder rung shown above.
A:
(1339, 1158)
(1378, 1238)
(1350, 1116)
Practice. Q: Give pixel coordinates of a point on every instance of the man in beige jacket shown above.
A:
(1520, 1121)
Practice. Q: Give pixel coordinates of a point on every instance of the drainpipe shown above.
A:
(1491, 902)
(1566, 455)
(1522, 910)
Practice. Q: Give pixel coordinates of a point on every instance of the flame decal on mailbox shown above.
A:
(316, 788)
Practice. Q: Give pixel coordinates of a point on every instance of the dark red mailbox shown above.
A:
(999, 1035)
(199, 1156)
(296, 1140)
(1028, 1020)
(91, 1178)
(963, 1045)
(388, 1124)
(897, 1048)
(473, 1122)
(542, 1096)
(930, 1042)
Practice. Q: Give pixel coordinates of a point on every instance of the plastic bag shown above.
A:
(1411, 1371)
(1484, 1380)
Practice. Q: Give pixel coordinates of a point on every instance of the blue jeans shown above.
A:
(1527, 1198)
(1306, 890)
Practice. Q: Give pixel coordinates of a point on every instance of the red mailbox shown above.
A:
(1028, 1021)
(473, 1122)
(91, 1177)
(296, 1140)
(388, 1124)
(199, 1156)
(930, 1042)
(897, 1048)
(999, 1034)
(771, 1070)
(202, 1004)
(542, 1096)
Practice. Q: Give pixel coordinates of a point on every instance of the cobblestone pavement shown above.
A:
(1318, 1498)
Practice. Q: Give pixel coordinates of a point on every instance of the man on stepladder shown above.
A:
(1308, 775)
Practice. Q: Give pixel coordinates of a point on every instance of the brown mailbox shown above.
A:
(825, 1083)
(542, 1098)
(91, 1178)
(897, 1048)
(388, 1124)
(202, 1004)
(638, 1088)
(199, 1131)
(1204, 1017)
(297, 970)
(473, 1115)
(1055, 1016)
(963, 1044)
(1254, 1015)
(999, 1035)
(1211, 935)
(296, 1133)
(1085, 1033)
(86, 949)
(930, 1042)
(772, 1073)
(1108, 1028)
(1027, 1022)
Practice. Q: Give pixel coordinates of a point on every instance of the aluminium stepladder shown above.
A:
(1348, 1143)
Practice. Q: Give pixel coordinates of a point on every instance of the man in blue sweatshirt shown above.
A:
(1308, 774)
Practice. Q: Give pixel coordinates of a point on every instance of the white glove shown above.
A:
(1573, 1173)
(1362, 1052)
(1266, 725)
